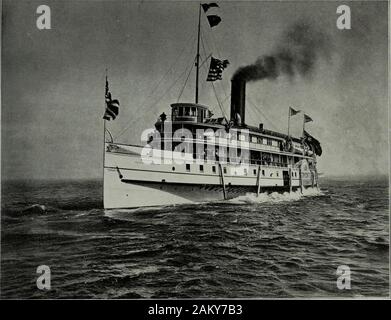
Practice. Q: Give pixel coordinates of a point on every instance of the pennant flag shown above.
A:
(206, 6)
(307, 118)
(313, 143)
(292, 111)
(216, 69)
(214, 20)
(112, 106)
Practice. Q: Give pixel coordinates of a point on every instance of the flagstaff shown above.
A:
(198, 53)
(291, 112)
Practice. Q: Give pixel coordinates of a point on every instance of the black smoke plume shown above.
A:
(300, 48)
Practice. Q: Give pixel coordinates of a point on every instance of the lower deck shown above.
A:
(130, 181)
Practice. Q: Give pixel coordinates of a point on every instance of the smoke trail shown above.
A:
(297, 53)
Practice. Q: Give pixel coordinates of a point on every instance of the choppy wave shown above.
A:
(274, 245)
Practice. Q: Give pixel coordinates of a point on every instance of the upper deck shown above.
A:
(194, 116)
(189, 112)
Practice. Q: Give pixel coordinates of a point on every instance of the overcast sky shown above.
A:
(53, 80)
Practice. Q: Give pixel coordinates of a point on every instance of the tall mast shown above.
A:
(198, 53)
(104, 139)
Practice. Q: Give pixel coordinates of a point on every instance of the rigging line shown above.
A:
(118, 135)
(157, 101)
(214, 89)
(225, 99)
(220, 56)
(168, 71)
(218, 52)
(206, 59)
(160, 81)
(261, 113)
(184, 85)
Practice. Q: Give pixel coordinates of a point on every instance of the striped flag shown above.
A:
(216, 69)
(112, 106)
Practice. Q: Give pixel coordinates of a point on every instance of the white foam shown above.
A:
(276, 196)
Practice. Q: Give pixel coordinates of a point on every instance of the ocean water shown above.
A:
(273, 246)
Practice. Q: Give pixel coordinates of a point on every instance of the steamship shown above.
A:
(191, 156)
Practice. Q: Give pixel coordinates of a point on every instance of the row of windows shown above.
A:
(201, 168)
(267, 141)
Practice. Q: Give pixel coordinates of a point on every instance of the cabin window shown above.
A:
(263, 172)
(241, 137)
(255, 171)
(193, 111)
(254, 139)
(277, 174)
(180, 111)
(269, 142)
(214, 169)
(225, 170)
(201, 168)
(173, 168)
(187, 167)
(187, 111)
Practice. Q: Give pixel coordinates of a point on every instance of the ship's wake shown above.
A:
(277, 197)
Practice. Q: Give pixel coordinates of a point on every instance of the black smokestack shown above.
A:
(297, 54)
(238, 99)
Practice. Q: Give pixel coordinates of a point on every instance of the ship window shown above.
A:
(245, 172)
(214, 169)
(263, 172)
(201, 168)
(277, 174)
(193, 111)
(187, 111)
(187, 167)
(254, 139)
(225, 170)
(269, 142)
(180, 112)
(173, 168)
(255, 172)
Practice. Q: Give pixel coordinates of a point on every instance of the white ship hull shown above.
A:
(129, 182)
